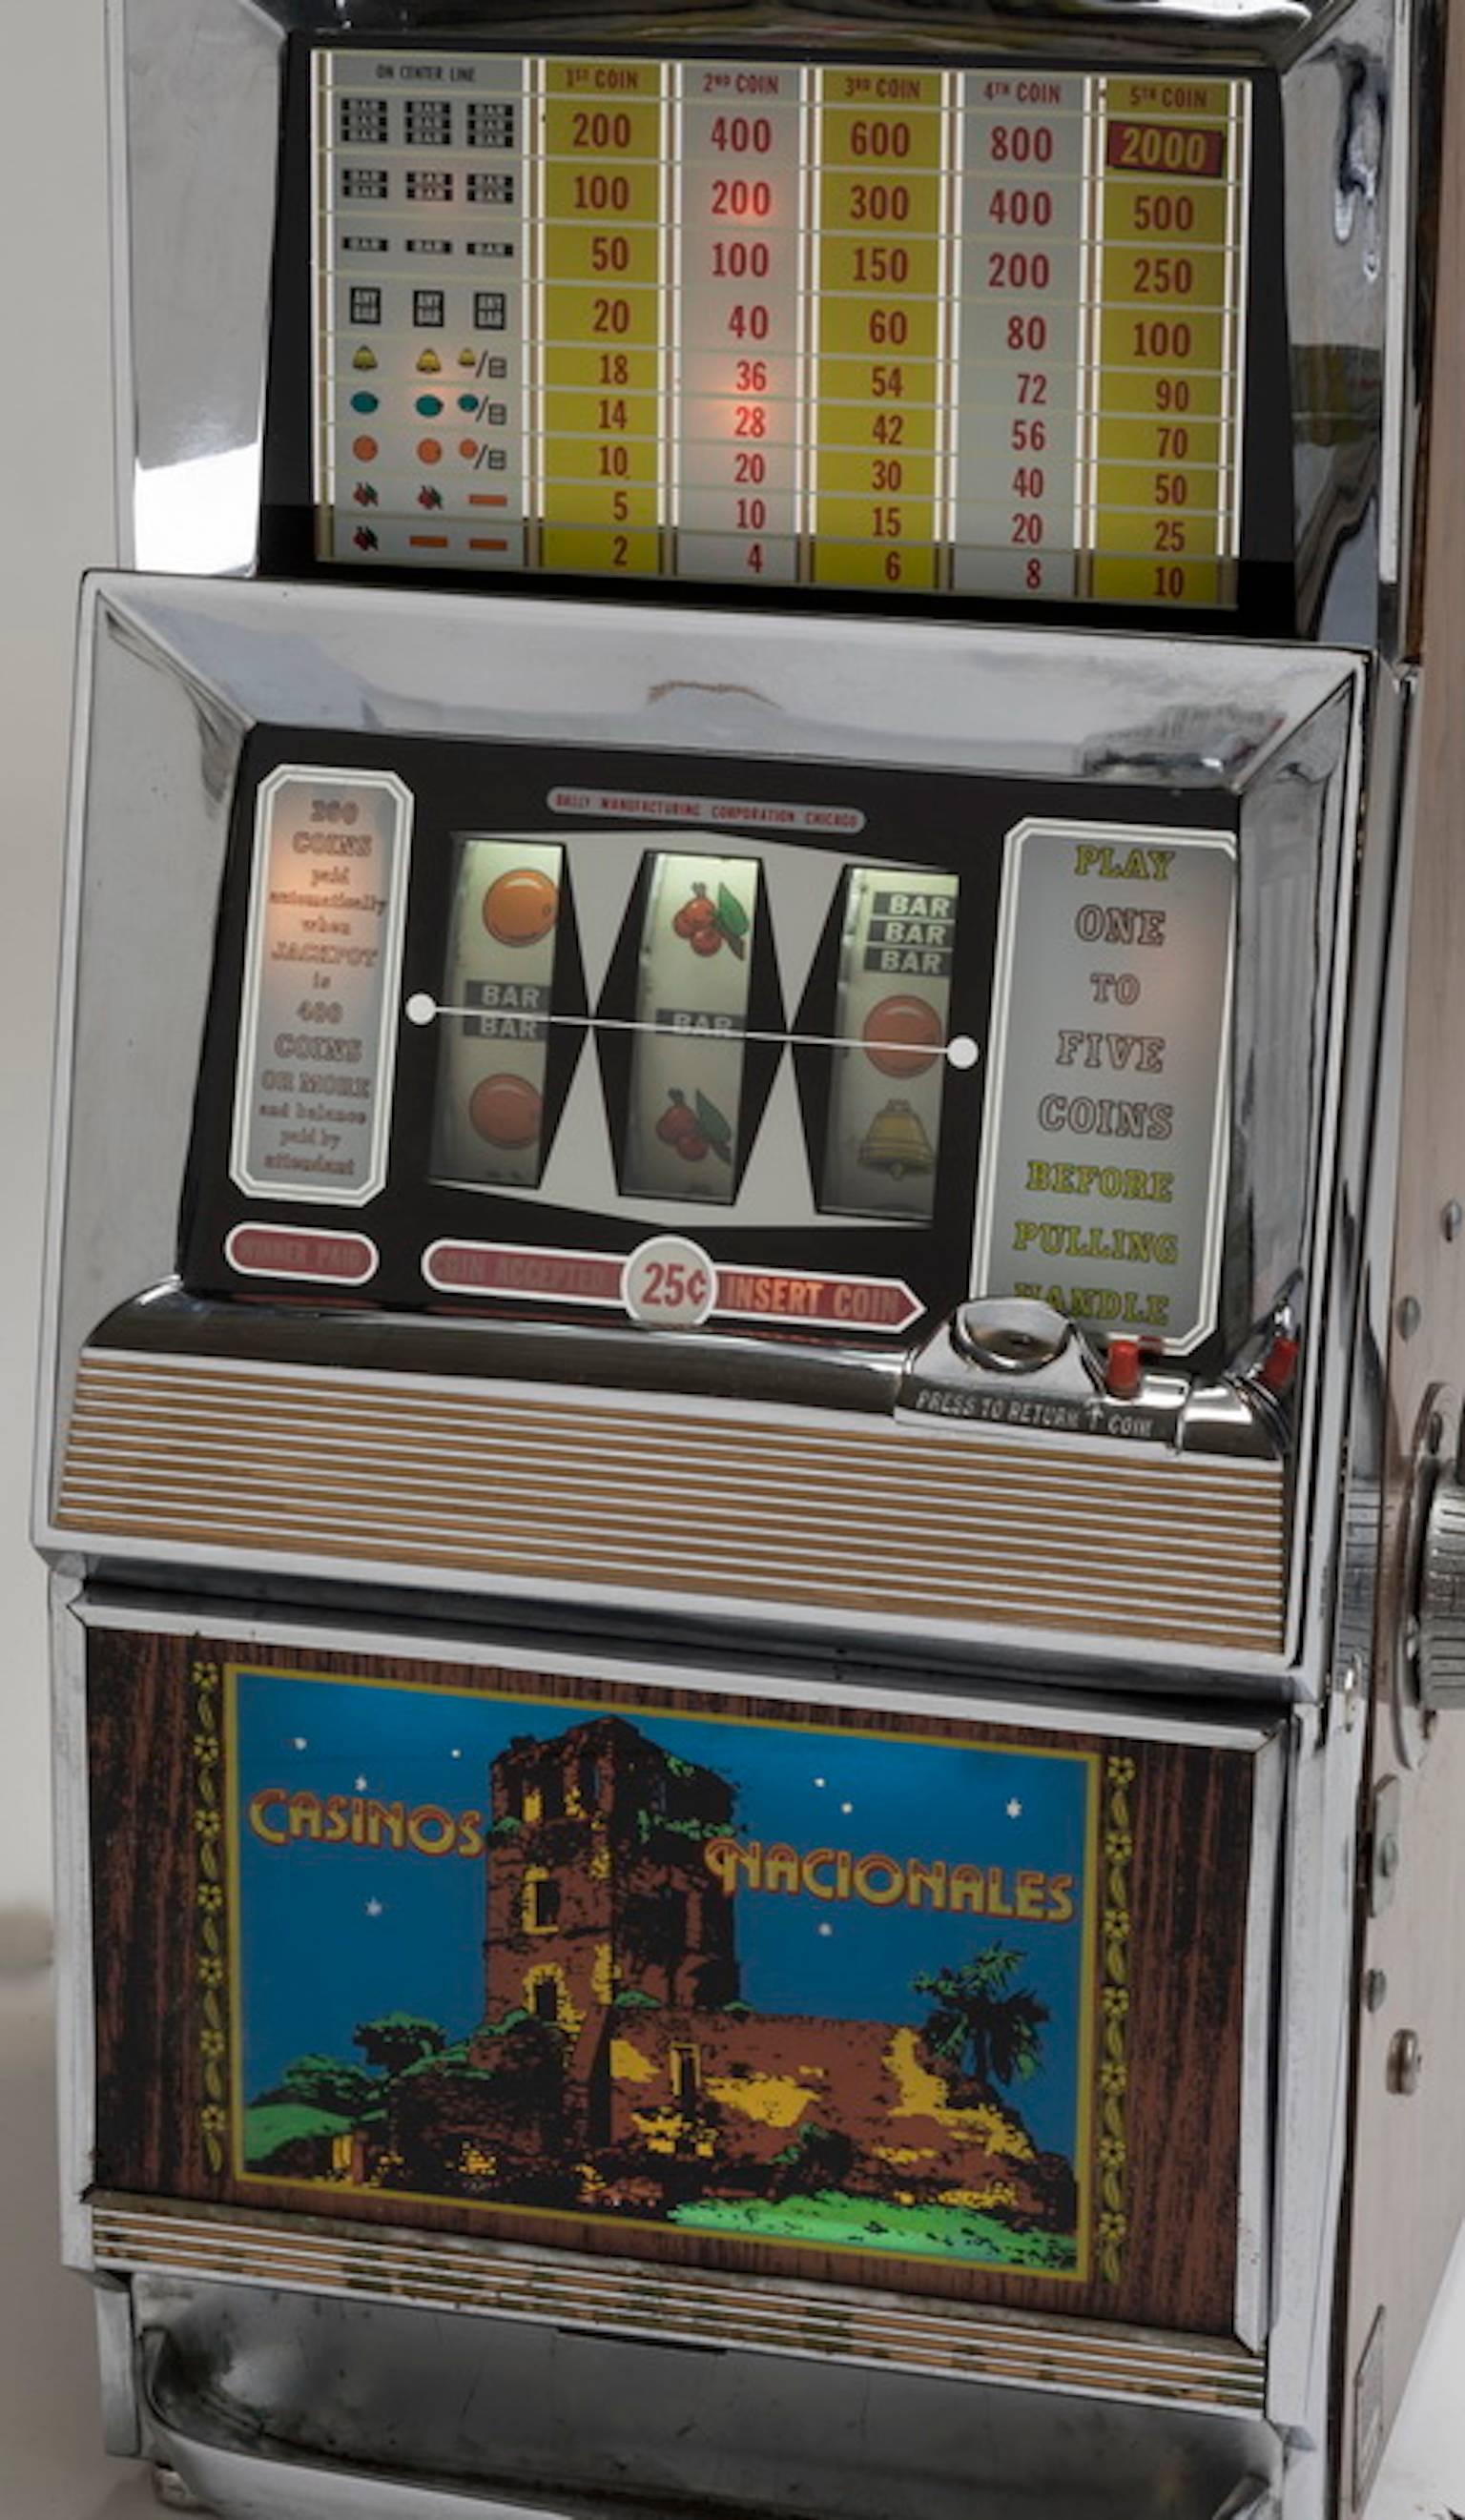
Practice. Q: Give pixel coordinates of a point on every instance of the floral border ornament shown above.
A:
(1114, 2063)
(209, 1902)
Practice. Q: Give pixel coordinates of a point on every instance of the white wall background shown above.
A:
(56, 465)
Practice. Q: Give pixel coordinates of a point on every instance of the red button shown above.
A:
(1279, 1366)
(1123, 1369)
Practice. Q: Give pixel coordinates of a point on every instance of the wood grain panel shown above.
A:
(943, 1529)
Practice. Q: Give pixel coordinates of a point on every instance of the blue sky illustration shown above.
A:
(330, 1936)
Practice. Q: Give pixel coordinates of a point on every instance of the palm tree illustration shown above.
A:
(982, 2026)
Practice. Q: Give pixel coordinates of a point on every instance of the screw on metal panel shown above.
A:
(1389, 1856)
(1375, 1990)
(1408, 1316)
(1451, 1218)
(1350, 1691)
(1406, 2062)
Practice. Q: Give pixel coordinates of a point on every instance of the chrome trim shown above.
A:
(1358, 1254)
(284, 2382)
(117, 2368)
(1332, 1283)
(1325, 1773)
(180, 668)
(1412, 215)
(1232, 1419)
(778, 1678)
(76, 2010)
(1336, 111)
(1316, 1997)
(1400, 176)
(1315, 2063)
(64, 1058)
(198, 190)
(226, 2479)
(765, 2315)
(195, 150)
(1264, 1883)
(1003, 1334)
(976, 1649)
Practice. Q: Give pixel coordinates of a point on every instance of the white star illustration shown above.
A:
(847, 1807)
(457, 1754)
(374, 1907)
(300, 1743)
(820, 1780)
(826, 1931)
(1014, 1809)
(360, 1785)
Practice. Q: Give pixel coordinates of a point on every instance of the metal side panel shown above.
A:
(1409, 2130)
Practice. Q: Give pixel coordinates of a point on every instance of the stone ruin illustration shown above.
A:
(619, 2071)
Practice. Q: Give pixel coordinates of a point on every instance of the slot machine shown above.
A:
(751, 1416)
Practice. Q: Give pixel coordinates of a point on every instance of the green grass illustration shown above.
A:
(830, 2220)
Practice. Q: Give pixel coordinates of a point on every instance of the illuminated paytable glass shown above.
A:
(975, 332)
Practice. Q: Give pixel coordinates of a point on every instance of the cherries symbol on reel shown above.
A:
(678, 1127)
(696, 922)
(695, 1129)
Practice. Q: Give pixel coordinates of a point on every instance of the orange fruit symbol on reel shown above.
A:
(903, 1036)
(521, 907)
(507, 1111)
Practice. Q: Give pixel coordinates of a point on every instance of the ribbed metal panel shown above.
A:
(665, 2301)
(581, 1494)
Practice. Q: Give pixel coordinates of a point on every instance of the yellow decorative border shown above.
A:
(1114, 2069)
(211, 1923)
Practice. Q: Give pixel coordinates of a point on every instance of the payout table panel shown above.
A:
(974, 332)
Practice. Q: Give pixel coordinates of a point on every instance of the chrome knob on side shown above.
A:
(1442, 1596)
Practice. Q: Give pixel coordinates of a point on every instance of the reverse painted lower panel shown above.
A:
(934, 2004)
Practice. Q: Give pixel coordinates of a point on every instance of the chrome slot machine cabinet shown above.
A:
(750, 1435)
